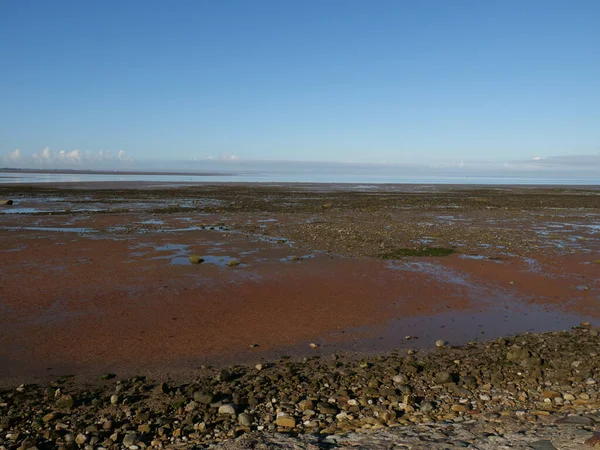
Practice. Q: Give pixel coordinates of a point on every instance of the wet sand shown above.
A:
(99, 280)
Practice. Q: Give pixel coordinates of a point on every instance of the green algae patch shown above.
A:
(422, 251)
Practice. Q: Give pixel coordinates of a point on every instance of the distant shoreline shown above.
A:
(113, 172)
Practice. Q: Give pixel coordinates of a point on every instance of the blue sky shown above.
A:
(318, 80)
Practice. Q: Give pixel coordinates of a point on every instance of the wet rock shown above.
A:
(244, 420)
(225, 376)
(203, 397)
(305, 405)
(130, 439)
(285, 420)
(443, 377)
(517, 354)
(65, 402)
(228, 408)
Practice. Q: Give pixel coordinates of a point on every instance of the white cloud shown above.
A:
(228, 157)
(74, 157)
(14, 156)
(537, 158)
(47, 158)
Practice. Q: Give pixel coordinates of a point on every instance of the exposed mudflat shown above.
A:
(357, 284)
(97, 280)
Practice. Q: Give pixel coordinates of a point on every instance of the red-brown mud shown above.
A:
(86, 294)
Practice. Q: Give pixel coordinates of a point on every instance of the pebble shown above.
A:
(203, 397)
(440, 343)
(244, 420)
(228, 408)
(285, 420)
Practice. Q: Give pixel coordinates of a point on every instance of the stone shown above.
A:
(543, 445)
(400, 379)
(443, 377)
(227, 408)
(426, 407)
(305, 405)
(517, 354)
(191, 407)
(460, 408)
(285, 420)
(65, 402)
(244, 420)
(144, 428)
(550, 394)
(114, 399)
(440, 343)
(575, 420)
(130, 439)
(203, 397)
(225, 376)
(81, 439)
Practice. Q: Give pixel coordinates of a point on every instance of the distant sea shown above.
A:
(304, 174)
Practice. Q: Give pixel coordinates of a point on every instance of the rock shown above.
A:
(49, 417)
(550, 394)
(326, 408)
(69, 437)
(460, 408)
(191, 407)
(426, 407)
(161, 388)
(575, 420)
(6, 202)
(203, 397)
(285, 420)
(114, 399)
(517, 354)
(130, 439)
(65, 402)
(81, 439)
(400, 379)
(144, 428)
(244, 420)
(258, 367)
(228, 408)
(305, 405)
(443, 377)
(225, 376)
(313, 345)
(440, 343)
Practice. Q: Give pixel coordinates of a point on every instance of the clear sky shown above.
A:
(319, 80)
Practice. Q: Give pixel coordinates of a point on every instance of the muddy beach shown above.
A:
(97, 280)
(318, 310)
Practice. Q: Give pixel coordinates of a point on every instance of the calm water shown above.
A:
(308, 176)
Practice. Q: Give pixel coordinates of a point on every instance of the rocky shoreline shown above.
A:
(532, 390)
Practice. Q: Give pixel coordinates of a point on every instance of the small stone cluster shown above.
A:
(532, 377)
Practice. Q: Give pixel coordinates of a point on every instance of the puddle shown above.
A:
(478, 257)
(460, 327)
(24, 211)
(152, 222)
(221, 261)
(54, 229)
(293, 258)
